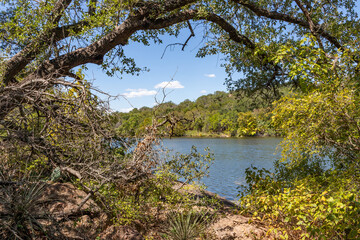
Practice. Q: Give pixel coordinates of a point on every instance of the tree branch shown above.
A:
(287, 18)
(192, 34)
(311, 23)
(92, 7)
(94, 52)
(18, 62)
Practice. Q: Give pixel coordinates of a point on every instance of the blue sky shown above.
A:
(191, 77)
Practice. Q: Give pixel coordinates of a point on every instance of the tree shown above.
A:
(49, 116)
(269, 25)
(51, 123)
(70, 33)
(41, 52)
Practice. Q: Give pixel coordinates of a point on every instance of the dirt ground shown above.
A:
(90, 223)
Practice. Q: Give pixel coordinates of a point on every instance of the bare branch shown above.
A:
(192, 34)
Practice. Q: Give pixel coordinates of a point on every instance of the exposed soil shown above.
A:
(233, 226)
(91, 223)
(229, 226)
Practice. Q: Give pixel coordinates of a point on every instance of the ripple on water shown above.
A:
(232, 157)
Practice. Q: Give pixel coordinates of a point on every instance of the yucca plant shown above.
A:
(186, 225)
(20, 204)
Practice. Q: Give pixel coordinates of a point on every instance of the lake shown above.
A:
(232, 157)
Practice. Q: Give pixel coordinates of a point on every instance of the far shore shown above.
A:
(221, 135)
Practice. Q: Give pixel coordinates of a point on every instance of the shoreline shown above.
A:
(198, 192)
(224, 137)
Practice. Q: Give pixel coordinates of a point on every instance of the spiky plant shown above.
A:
(186, 225)
(20, 210)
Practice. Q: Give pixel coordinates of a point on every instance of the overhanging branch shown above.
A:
(287, 18)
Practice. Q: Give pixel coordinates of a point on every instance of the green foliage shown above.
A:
(322, 206)
(247, 124)
(31, 24)
(323, 121)
(60, 123)
(313, 192)
(190, 167)
(215, 114)
(332, 126)
(141, 201)
(271, 33)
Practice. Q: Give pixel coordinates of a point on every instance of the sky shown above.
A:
(189, 77)
(179, 73)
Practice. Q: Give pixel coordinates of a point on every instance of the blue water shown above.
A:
(232, 157)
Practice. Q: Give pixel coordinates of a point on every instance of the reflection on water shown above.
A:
(232, 157)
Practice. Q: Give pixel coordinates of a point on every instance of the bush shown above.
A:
(322, 206)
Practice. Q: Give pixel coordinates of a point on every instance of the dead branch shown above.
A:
(192, 34)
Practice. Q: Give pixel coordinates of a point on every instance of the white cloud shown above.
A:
(170, 85)
(203, 91)
(133, 93)
(211, 75)
(126, 110)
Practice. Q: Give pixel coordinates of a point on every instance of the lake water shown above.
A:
(232, 157)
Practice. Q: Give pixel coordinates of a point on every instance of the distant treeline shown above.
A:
(214, 115)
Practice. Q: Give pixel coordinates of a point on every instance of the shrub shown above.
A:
(322, 206)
